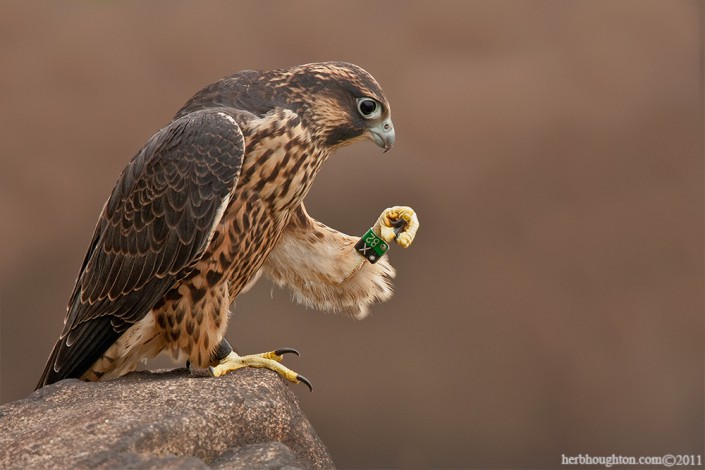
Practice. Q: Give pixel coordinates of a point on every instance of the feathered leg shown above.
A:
(323, 270)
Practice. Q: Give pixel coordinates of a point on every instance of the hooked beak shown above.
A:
(383, 134)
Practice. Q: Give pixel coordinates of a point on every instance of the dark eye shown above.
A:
(369, 108)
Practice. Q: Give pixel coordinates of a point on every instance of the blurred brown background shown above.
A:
(553, 301)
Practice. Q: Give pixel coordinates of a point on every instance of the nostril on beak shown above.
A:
(383, 134)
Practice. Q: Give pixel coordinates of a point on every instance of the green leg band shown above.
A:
(371, 246)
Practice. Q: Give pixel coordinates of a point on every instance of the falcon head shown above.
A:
(340, 103)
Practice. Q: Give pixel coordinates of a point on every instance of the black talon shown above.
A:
(282, 351)
(399, 226)
(188, 364)
(303, 379)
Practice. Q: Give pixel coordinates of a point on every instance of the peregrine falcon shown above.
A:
(211, 202)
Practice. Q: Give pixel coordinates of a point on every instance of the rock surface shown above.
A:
(165, 419)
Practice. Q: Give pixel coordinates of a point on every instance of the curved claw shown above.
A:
(282, 351)
(398, 225)
(305, 381)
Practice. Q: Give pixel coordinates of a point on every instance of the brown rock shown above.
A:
(165, 419)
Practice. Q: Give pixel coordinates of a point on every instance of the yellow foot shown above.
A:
(269, 360)
(398, 223)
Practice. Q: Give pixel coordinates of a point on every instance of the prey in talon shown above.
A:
(213, 201)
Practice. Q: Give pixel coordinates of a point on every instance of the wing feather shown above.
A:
(153, 228)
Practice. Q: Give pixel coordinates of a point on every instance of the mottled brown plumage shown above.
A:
(213, 200)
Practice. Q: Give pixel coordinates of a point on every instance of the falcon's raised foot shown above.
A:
(398, 223)
(269, 360)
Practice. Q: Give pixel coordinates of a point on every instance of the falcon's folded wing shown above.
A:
(155, 225)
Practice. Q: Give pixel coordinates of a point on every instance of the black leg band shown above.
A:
(221, 351)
